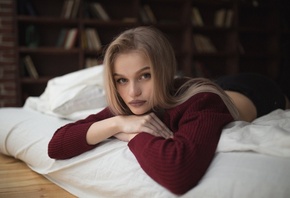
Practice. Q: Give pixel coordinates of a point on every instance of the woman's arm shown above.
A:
(70, 140)
(126, 127)
(179, 163)
(81, 136)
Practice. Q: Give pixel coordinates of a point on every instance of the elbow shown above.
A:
(182, 176)
(180, 186)
(54, 151)
(179, 179)
(52, 155)
(178, 191)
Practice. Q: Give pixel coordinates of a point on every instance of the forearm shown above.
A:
(69, 141)
(172, 163)
(102, 130)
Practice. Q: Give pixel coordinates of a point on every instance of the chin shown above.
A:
(139, 112)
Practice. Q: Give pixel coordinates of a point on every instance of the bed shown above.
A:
(252, 159)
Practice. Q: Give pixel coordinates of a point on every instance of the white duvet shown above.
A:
(269, 135)
(252, 159)
(111, 170)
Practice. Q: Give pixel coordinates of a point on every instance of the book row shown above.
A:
(222, 17)
(29, 68)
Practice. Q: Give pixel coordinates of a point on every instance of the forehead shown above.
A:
(130, 61)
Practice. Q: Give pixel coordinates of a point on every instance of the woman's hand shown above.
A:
(131, 125)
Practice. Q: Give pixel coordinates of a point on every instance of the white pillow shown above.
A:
(77, 91)
(75, 99)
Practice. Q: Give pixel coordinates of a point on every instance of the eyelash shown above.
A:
(146, 75)
(143, 76)
(121, 79)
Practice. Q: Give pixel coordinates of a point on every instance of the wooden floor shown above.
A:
(19, 181)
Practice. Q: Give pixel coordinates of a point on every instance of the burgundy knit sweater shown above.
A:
(178, 163)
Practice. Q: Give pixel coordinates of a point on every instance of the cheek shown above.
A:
(150, 87)
(149, 90)
(121, 91)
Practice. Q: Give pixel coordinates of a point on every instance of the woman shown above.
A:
(172, 125)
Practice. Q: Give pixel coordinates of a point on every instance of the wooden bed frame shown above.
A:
(18, 180)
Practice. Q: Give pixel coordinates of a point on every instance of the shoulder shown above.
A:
(200, 110)
(203, 100)
(200, 103)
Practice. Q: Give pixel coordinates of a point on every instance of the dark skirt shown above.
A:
(262, 91)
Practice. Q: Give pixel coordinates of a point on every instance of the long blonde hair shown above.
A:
(153, 44)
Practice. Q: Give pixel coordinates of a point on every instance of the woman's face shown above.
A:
(132, 75)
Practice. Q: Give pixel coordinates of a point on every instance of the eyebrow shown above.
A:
(139, 71)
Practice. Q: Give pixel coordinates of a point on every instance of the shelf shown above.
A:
(47, 20)
(48, 50)
(41, 80)
(197, 55)
(249, 41)
(115, 23)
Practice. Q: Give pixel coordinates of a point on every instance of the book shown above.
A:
(90, 62)
(93, 39)
(84, 40)
(229, 18)
(67, 9)
(203, 43)
(75, 9)
(196, 17)
(144, 17)
(22, 69)
(219, 18)
(96, 40)
(30, 67)
(70, 39)
(61, 37)
(149, 13)
(99, 11)
(64, 7)
(89, 39)
(223, 18)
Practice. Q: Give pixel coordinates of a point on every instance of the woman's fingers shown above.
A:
(149, 123)
(159, 128)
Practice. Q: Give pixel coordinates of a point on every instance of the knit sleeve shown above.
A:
(70, 140)
(179, 163)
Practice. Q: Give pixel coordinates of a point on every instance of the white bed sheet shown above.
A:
(111, 170)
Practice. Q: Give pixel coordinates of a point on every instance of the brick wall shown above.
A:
(8, 58)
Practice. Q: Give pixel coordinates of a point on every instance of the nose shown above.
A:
(134, 89)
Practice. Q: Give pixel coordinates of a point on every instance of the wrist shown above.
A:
(118, 123)
(131, 136)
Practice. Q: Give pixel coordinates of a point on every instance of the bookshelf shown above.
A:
(243, 36)
(260, 37)
(92, 24)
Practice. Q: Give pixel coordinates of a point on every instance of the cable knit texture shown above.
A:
(178, 163)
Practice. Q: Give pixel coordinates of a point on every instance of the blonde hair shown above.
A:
(155, 46)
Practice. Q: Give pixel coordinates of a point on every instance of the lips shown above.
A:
(137, 103)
